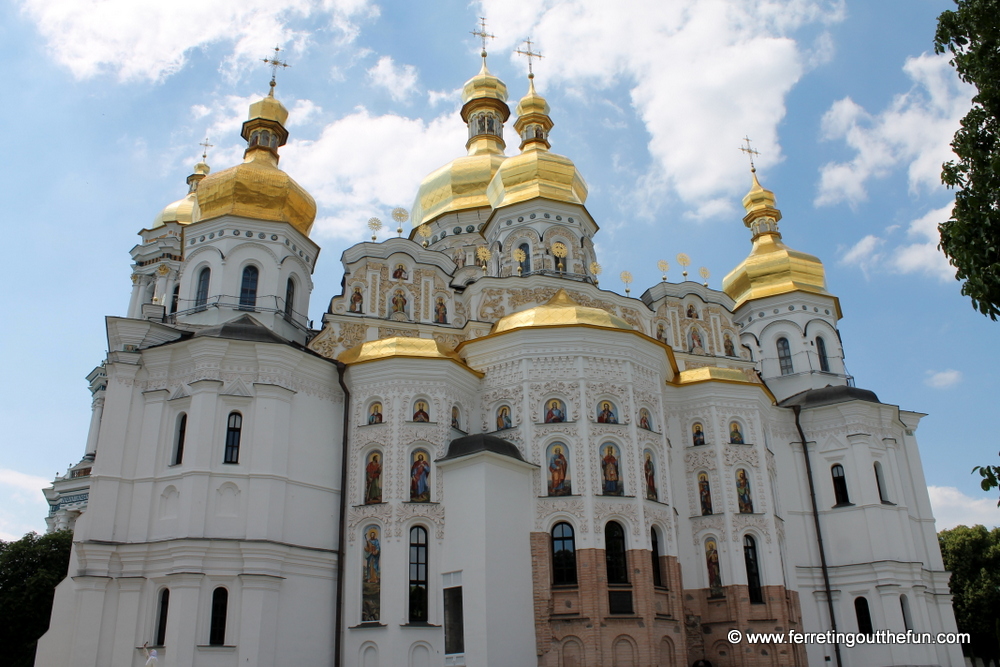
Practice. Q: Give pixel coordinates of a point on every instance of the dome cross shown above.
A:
(751, 152)
(205, 145)
(527, 52)
(274, 63)
(481, 33)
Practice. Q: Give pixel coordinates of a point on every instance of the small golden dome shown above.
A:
(484, 86)
(400, 346)
(269, 108)
(181, 211)
(772, 267)
(560, 311)
(537, 173)
(532, 102)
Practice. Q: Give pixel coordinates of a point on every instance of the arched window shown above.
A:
(880, 483)
(201, 294)
(614, 553)
(864, 615)
(784, 356)
(753, 569)
(526, 264)
(161, 617)
(182, 421)
(175, 298)
(418, 574)
(657, 568)
(904, 603)
(289, 299)
(248, 288)
(563, 555)
(220, 607)
(234, 429)
(824, 363)
(840, 485)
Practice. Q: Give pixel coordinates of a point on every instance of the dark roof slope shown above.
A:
(243, 328)
(480, 442)
(814, 398)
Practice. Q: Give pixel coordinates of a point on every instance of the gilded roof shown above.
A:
(560, 311)
(399, 346)
(484, 85)
(537, 172)
(457, 186)
(181, 211)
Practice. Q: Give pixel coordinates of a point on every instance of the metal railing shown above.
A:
(262, 304)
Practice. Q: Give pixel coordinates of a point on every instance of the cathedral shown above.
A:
(481, 457)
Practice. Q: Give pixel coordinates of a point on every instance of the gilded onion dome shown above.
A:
(461, 184)
(257, 188)
(772, 267)
(184, 210)
(560, 311)
(536, 171)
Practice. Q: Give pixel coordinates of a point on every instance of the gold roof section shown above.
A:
(268, 108)
(484, 85)
(716, 374)
(560, 311)
(772, 268)
(401, 346)
(185, 210)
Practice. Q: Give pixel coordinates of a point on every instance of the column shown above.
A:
(96, 413)
(134, 300)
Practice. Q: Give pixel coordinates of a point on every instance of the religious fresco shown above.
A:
(555, 411)
(560, 480)
(440, 311)
(373, 478)
(727, 343)
(611, 473)
(503, 418)
(357, 301)
(644, 419)
(714, 571)
(661, 333)
(743, 492)
(735, 434)
(399, 273)
(420, 476)
(704, 494)
(455, 418)
(649, 474)
(697, 342)
(607, 413)
(398, 302)
(371, 577)
(692, 312)
(697, 434)
(375, 413)
(420, 413)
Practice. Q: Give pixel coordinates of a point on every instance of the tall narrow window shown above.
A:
(753, 570)
(234, 430)
(904, 603)
(526, 264)
(454, 621)
(840, 485)
(563, 555)
(657, 569)
(220, 607)
(161, 618)
(289, 299)
(418, 574)
(824, 363)
(248, 288)
(182, 421)
(864, 615)
(175, 299)
(880, 483)
(614, 553)
(784, 356)
(201, 294)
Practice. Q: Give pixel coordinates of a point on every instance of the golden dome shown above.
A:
(258, 189)
(532, 102)
(560, 311)
(484, 86)
(399, 346)
(184, 210)
(772, 267)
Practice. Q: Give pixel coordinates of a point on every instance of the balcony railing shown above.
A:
(262, 304)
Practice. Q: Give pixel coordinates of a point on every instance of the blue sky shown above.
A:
(846, 102)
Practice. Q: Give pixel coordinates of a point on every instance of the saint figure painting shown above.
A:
(606, 414)
(735, 434)
(503, 417)
(704, 493)
(373, 478)
(420, 413)
(371, 577)
(375, 413)
(555, 412)
(611, 470)
(455, 421)
(697, 434)
(420, 475)
(649, 472)
(357, 301)
(743, 492)
(714, 571)
(560, 483)
(644, 420)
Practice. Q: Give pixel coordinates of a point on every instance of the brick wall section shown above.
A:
(671, 626)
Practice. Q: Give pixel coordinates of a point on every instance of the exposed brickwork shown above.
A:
(670, 626)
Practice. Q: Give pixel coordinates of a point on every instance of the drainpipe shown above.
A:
(338, 636)
(819, 533)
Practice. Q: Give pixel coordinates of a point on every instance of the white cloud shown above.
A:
(151, 40)
(436, 97)
(22, 505)
(399, 81)
(952, 508)
(701, 74)
(914, 132)
(22, 481)
(943, 379)
(865, 253)
(303, 112)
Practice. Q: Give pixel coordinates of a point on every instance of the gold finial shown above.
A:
(519, 257)
(481, 33)
(663, 266)
(596, 269)
(424, 231)
(627, 279)
(704, 273)
(684, 261)
(374, 224)
(274, 63)
(400, 215)
(751, 153)
(205, 145)
(484, 254)
(530, 54)
(559, 250)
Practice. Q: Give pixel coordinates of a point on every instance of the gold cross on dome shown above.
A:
(529, 54)
(206, 146)
(482, 34)
(750, 152)
(274, 63)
